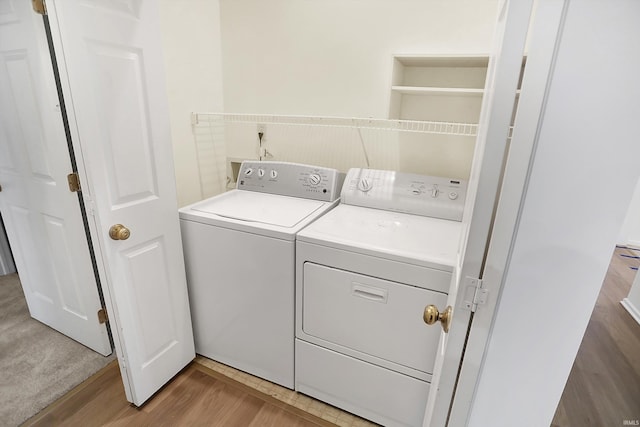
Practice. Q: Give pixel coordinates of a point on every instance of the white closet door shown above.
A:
(495, 118)
(42, 217)
(111, 61)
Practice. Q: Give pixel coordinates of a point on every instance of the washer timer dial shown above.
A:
(365, 184)
(314, 179)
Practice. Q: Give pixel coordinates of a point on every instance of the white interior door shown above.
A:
(111, 60)
(491, 146)
(42, 217)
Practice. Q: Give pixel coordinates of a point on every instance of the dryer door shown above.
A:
(370, 316)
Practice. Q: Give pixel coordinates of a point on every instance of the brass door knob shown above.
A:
(432, 315)
(119, 232)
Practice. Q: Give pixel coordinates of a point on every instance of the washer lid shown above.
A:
(271, 209)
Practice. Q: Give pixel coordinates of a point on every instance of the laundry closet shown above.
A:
(408, 87)
(283, 96)
(390, 100)
(383, 60)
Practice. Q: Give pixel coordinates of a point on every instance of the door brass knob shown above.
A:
(432, 315)
(119, 232)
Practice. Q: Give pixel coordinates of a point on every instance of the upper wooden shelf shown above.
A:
(443, 60)
(446, 91)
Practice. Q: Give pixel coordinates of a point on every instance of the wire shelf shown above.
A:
(223, 140)
(433, 127)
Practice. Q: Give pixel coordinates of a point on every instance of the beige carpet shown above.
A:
(37, 363)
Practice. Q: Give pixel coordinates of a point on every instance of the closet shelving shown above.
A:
(453, 91)
(204, 119)
(223, 140)
(437, 87)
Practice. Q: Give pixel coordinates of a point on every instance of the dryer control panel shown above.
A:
(290, 179)
(424, 195)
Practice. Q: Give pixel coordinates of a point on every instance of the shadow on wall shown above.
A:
(6, 258)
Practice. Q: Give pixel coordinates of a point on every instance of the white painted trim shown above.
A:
(632, 309)
(523, 142)
(563, 244)
(87, 194)
(484, 184)
(634, 243)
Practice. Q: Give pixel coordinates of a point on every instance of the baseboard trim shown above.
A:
(634, 243)
(631, 308)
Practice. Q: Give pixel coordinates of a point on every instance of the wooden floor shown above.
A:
(603, 388)
(198, 396)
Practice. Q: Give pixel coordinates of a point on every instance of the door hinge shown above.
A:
(103, 317)
(474, 294)
(74, 182)
(39, 7)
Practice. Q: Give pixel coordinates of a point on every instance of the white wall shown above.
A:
(333, 57)
(582, 177)
(311, 57)
(630, 232)
(191, 42)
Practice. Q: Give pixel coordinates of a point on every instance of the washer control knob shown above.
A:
(453, 195)
(260, 172)
(314, 179)
(248, 171)
(365, 185)
(273, 173)
(435, 191)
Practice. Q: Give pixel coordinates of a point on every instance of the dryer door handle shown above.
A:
(369, 292)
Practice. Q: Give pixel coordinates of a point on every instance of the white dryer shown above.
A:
(239, 253)
(364, 274)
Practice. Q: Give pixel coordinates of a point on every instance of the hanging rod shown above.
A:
(442, 128)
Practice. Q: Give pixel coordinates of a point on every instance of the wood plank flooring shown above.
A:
(603, 388)
(197, 396)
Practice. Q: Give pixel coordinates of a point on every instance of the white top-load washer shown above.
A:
(364, 273)
(240, 260)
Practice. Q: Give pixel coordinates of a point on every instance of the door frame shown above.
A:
(543, 40)
(504, 70)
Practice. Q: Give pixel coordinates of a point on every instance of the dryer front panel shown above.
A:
(375, 317)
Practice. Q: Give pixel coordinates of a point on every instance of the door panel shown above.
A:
(147, 266)
(25, 103)
(113, 74)
(7, 12)
(63, 267)
(42, 217)
(129, 151)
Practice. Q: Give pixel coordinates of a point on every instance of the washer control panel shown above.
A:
(290, 179)
(424, 195)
